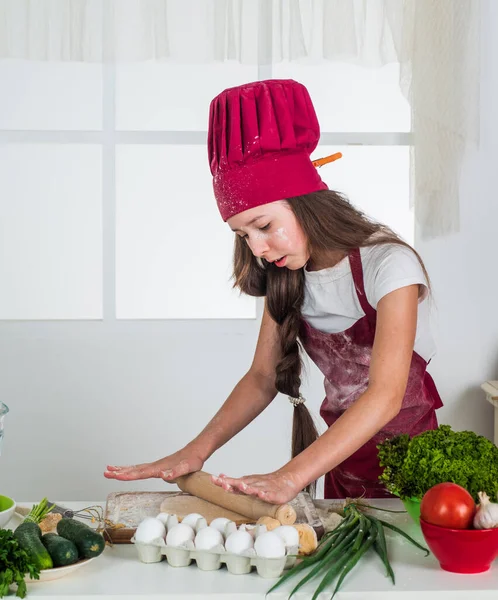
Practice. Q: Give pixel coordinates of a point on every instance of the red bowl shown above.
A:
(461, 550)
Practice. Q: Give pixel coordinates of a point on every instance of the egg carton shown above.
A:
(211, 560)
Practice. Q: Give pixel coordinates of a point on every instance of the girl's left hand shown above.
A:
(275, 488)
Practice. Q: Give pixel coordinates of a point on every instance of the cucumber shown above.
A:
(87, 540)
(28, 536)
(63, 552)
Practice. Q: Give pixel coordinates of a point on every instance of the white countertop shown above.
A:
(118, 573)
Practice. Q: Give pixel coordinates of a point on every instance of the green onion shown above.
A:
(329, 577)
(340, 550)
(405, 535)
(380, 547)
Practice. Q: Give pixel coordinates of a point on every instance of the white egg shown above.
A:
(289, 535)
(191, 519)
(208, 538)
(269, 545)
(239, 542)
(220, 524)
(180, 534)
(163, 517)
(171, 522)
(230, 528)
(258, 530)
(252, 529)
(150, 529)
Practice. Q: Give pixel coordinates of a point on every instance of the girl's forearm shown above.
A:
(354, 428)
(248, 399)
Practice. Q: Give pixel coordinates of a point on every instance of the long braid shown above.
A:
(285, 295)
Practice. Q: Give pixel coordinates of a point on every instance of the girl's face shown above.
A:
(272, 232)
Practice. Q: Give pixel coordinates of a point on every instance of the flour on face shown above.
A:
(282, 234)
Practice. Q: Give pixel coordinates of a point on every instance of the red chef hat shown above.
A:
(260, 139)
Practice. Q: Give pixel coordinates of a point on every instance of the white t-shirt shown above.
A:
(331, 304)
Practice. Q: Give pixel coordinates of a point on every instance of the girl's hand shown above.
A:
(276, 488)
(168, 468)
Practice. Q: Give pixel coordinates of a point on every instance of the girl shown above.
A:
(345, 289)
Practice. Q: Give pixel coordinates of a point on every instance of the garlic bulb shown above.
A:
(486, 516)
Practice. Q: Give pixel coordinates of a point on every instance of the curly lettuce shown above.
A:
(412, 466)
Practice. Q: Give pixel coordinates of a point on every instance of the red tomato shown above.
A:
(448, 505)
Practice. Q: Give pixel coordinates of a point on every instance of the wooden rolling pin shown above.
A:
(199, 484)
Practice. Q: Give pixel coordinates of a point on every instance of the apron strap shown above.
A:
(357, 272)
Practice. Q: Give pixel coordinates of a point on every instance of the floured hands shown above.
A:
(276, 488)
(168, 468)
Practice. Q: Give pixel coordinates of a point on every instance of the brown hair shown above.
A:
(330, 223)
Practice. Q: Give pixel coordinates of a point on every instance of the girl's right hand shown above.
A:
(168, 468)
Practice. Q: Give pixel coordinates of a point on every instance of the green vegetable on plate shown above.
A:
(15, 564)
(28, 535)
(87, 540)
(63, 552)
(38, 512)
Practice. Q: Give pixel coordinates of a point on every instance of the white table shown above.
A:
(118, 573)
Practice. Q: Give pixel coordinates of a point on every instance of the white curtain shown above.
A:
(436, 43)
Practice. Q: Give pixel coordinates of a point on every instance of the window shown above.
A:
(105, 192)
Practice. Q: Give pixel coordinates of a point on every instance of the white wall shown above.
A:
(464, 267)
(86, 394)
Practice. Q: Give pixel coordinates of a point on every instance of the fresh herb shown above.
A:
(38, 512)
(340, 550)
(412, 466)
(14, 565)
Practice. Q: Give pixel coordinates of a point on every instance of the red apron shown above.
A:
(344, 359)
